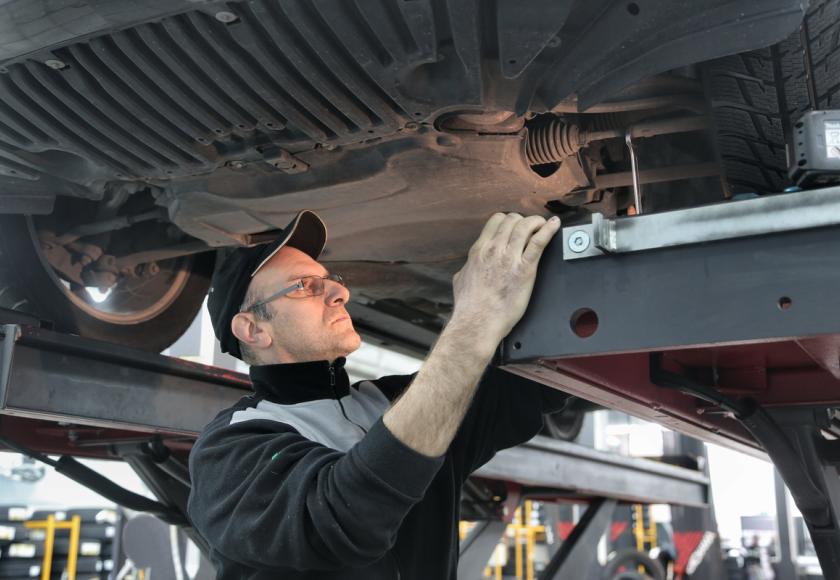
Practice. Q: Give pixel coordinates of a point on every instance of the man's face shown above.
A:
(308, 328)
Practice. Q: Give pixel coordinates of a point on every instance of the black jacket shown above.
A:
(302, 480)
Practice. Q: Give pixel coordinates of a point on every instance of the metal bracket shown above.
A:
(284, 161)
(723, 221)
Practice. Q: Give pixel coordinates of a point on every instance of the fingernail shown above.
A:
(554, 219)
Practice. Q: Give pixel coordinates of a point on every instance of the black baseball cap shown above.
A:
(306, 232)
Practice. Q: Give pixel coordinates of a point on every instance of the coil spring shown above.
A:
(552, 142)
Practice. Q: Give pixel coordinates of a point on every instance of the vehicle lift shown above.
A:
(69, 395)
(718, 321)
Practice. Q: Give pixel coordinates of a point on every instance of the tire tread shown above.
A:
(756, 96)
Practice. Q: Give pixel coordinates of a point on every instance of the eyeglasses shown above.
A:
(303, 288)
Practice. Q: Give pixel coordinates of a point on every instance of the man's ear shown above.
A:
(246, 328)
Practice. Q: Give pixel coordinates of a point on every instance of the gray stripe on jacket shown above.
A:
(321, 420)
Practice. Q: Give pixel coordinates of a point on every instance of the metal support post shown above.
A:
(695, 529)
(785, 569)
(577, 554)
(478, 546)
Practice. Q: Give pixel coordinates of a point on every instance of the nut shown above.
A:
(579, 241)
(226, 17)
(150, 269)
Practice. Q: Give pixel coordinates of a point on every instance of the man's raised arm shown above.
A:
(491, 291)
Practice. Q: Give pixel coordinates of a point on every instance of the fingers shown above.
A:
(540, 240)
(522, 232)
(516, 232)
(489, 229)
(502, 235)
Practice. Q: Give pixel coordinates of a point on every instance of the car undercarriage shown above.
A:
(172, 130)
(139, 142)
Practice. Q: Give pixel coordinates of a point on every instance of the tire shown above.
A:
(563, 425)
(567, 423)
(756, 97)
(147, 314)
(623, 565)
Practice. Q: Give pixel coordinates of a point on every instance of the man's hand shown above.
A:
(491, 294)
(494, 286)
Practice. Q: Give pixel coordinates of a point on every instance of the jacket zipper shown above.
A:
(338, 400)
(396, 564)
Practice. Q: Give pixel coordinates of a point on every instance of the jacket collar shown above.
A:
(299, 382)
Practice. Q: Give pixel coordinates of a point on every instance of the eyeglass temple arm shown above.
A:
(296, 286)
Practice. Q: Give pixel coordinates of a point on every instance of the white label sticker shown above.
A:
(18, 514)
(22, 550)
(90, 548)
(832, 139)
(7, 533)
(106, 516)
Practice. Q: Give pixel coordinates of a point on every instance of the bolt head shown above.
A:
(579, 241)
(55, 64)
(226, 17)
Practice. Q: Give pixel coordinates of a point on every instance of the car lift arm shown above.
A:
(742, 294)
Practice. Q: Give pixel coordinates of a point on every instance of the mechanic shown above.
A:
(310, 477)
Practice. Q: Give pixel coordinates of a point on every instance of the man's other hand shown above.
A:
(494, 286)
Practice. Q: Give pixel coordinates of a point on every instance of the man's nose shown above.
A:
(336, 294)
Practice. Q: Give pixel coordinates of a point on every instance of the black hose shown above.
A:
(84, 475)
(87, 477)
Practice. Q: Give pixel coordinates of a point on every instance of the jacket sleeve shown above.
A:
(507, 410)
(265, 496)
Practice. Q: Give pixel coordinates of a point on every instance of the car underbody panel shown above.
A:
(234, 115)
(168, 129)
